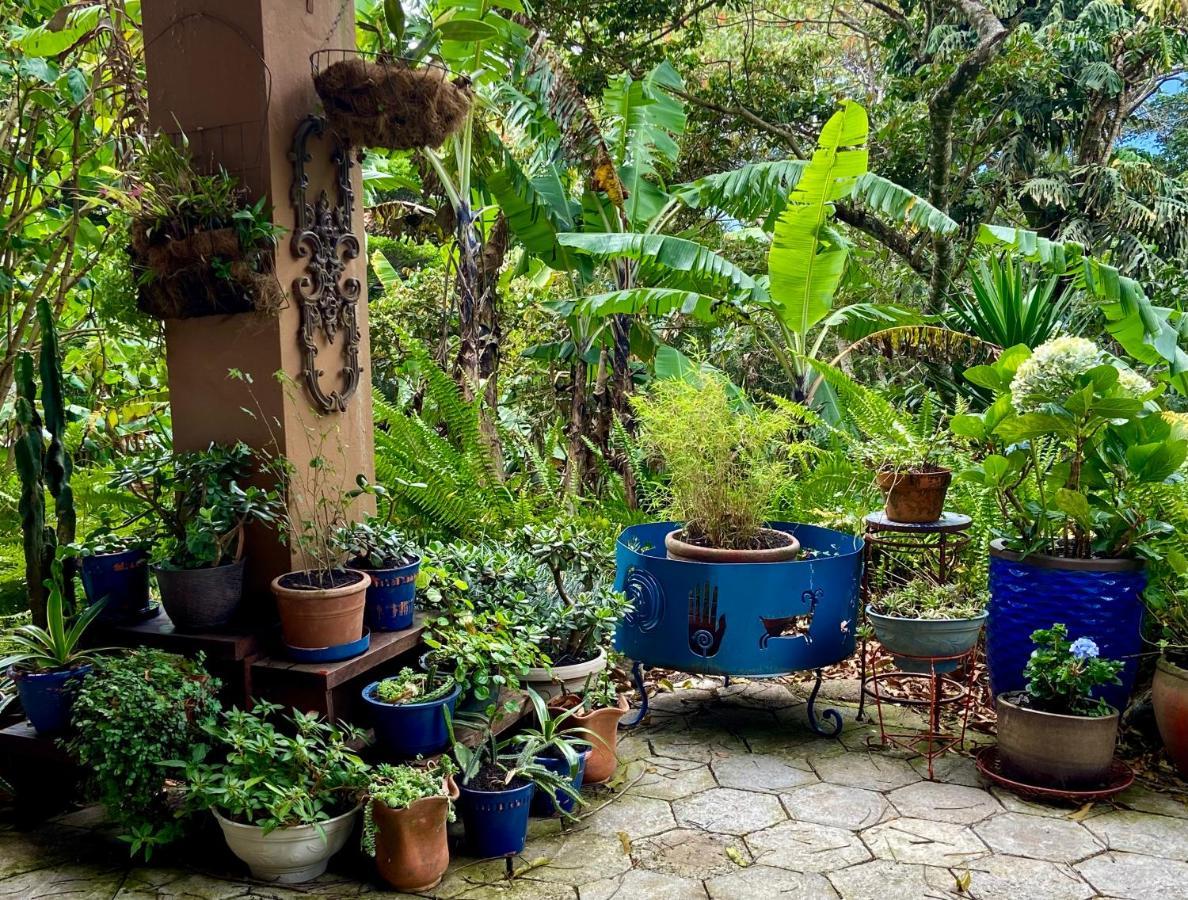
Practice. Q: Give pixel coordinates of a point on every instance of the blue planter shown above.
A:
(408, 730)
(496, 822)
(122, 579)
(753, 619)
(391, 597)
(926, 637)
(542, 803)
(47, 697)
(1100, 599)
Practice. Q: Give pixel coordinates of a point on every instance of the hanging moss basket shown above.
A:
(374, 101)
(204, 273)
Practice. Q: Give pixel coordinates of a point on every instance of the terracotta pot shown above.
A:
(322, 617)
(678, 549)
(914, 497)
(604, 723)
(411, 850)
(1169, 694)
(1053, 750)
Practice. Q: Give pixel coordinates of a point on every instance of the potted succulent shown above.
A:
(47, 664)
(1056, 733)
(1067, 445)
(497, 780)
(908, 470)
(724, 464)
(1169, 689)
(925, 619)
(579, 614)
(392, 562)
(285, 802)
(561, 746)
(201, 503)
(404, 823)
(410, 710)
(114, 571)
(597, 709)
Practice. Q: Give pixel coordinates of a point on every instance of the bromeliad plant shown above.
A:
(1069, 437)
(254, 773)
(1061, 674)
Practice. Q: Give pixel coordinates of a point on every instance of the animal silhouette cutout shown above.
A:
(797, 625)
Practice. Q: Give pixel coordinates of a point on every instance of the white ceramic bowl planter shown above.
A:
(559, 680)
(288, 855)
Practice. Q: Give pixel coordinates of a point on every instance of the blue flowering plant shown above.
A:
(1062, 674)
(1070, 439)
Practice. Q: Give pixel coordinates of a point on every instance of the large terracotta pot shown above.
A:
(604, 723)
(322, 617)
(914, 497)
(788, 548)
(1169, 694)
(1053, 750)
(411, 849)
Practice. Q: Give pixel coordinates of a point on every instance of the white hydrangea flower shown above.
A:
(1132, 384)
(1047, 375)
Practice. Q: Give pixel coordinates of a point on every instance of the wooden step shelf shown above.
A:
(43, 777)
(332, 689)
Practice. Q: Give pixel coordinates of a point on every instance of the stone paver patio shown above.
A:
(726, 794)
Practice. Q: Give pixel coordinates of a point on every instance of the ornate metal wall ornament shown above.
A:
(323, 236)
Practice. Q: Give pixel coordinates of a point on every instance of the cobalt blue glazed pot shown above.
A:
(903, 637)
(1101, 599)
(542, 803)
(391, 597)
(122, 579)
(496, 822)
(407, 730)
(746, 618)
(47, 697)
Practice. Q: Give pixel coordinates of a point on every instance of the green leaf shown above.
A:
(756, 190)
(996, 468)
(467, 30)
(650, 301)
(1032, 425)
(896, 202)
(1073, 504)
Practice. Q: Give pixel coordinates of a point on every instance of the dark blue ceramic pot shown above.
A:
(122, 579)
(391, 597)
(408, 730)
(496, 822)
(47, 697)
(542, 803)
(1101, 599)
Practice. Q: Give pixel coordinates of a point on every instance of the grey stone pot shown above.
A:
(925, 637)
(196, 599)
(1051, 750)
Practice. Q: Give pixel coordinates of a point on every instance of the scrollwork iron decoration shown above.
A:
(323, 235)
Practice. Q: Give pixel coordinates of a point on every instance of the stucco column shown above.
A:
(234, 75)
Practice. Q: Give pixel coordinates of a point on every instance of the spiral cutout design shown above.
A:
(703, 640)
(647, 600)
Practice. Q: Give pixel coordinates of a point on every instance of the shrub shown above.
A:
(1061, 674)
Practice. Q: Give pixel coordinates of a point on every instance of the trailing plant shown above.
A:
(1069, 439)
(42, 466)
(923, 598)
(132, 713)
(408, 686)
(399, 787)
(723, 458)
(254, 773)
(200, 501)
(1062, 674)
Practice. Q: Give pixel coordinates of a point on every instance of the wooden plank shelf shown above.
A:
(43, 777)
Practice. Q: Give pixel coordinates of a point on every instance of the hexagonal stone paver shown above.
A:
(642, 883)
(866, 770)
(883, 879)
(728, 811)
(837, 805)
(1136, 832)
(516, 889)
(804, 847)
(1135, 876)
(691, 854)
(635, 816)
(1015, 878)
(697, 746)
(1146, 800)
(756, 695)
(951, 769)
(941, 802)
(765, 882)
(578, 857)
(759, 773)
(921, 841)
(1055, 840)
(666, 778)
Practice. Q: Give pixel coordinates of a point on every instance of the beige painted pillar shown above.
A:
(234, 75)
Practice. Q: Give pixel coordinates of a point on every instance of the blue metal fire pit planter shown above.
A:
(745, 619)
(337, 653)
(496, 822)
(391, 597)
(1100, 599)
